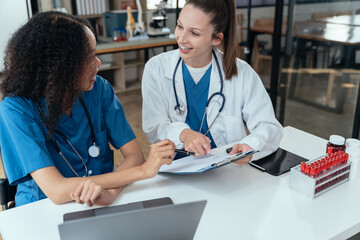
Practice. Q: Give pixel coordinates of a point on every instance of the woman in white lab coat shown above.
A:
(178, 85)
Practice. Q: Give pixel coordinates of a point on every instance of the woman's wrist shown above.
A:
(183, 134)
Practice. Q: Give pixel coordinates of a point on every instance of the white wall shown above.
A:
(13, 14)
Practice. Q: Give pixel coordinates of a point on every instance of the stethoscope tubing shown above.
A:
(56, 146)
(179, 109)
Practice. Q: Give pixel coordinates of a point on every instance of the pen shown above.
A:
(185, 152)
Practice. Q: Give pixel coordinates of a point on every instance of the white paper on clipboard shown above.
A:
(200, 164)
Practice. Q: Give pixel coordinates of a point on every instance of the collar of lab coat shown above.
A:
(179, 83)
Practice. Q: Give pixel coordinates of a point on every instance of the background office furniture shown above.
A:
(341, 13)
(7, 194)
(243, 202)
(338, 81)
(321, 15)
(351, 20)
(315, 46)
(261, 54)
(119, 64)
(348, 36)
(242, 43)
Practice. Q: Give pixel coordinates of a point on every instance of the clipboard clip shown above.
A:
(237, 156)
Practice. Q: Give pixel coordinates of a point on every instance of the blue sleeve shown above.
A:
(118, 128)
(22, 141)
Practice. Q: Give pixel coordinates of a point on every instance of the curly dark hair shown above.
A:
(45, 58)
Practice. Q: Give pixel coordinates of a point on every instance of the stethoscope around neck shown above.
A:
(94, 150)
(180, 108)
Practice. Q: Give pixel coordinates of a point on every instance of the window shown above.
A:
(151, 4)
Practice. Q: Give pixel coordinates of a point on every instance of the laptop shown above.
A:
(151, 219)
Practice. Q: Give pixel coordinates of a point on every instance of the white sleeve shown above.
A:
(265, 130)
(156, 121)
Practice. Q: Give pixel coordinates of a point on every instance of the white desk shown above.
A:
(243, 203)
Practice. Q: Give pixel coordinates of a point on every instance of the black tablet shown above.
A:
(278, 162)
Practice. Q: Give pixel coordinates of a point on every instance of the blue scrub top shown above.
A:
(196, 97)
(26, 147)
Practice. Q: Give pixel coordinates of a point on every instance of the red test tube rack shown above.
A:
(317, 176)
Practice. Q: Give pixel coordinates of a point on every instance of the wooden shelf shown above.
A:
(134, 63)
(133, 84)
(92, 16)
(112, 67)
(118, 69)
(120, 64)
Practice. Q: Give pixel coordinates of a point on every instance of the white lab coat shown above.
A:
(246, 104)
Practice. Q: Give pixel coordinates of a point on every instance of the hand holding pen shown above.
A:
(160, 153)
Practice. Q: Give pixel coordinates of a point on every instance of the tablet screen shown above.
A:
(278, 162)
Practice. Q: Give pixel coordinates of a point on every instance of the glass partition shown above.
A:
(319, 79)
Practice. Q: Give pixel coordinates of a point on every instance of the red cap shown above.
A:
(312, 171)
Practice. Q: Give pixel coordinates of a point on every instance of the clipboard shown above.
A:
(279, 162)
(201, 164)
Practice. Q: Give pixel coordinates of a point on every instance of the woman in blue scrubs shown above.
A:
(58, 118)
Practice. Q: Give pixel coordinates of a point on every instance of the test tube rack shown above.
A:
(318, 176)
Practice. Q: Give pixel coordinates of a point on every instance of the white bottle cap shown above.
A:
(337, 140)
(352, 142)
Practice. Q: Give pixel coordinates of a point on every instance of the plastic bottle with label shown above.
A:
(352, 142)
(354, 157)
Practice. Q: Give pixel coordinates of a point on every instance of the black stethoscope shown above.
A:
(180, 108)
(94, 151)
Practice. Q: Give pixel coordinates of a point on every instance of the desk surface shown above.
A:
(352, 20)
(335, 33)
(268, 27)
(106, 45)
(336, 29)
(243, 203)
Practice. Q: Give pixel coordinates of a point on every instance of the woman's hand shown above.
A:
(241, 148)
(91, 193)
(160, 153)
(195, 142)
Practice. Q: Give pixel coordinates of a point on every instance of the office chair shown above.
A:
(261, 53)
(243, 42)
(7, 192)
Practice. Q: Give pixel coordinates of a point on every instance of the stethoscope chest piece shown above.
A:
(94, 151)
(179, 109)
